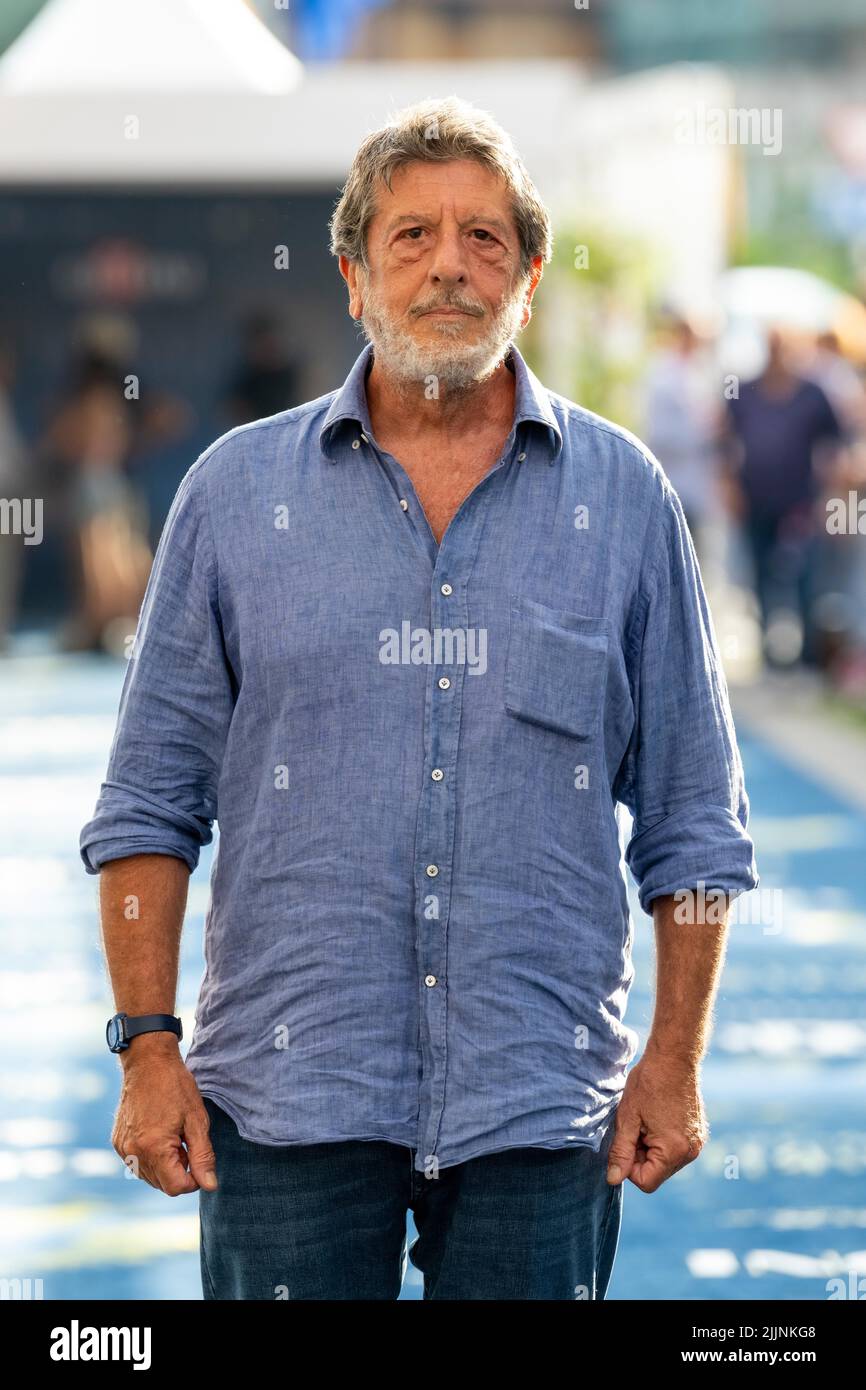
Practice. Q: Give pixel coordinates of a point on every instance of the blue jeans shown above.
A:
(328, 1221)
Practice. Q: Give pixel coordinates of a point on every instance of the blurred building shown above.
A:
(620, 35)
(473, 30)
(740, 33)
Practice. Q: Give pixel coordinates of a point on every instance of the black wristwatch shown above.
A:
(121, 1029)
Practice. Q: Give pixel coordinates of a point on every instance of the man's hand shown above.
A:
(160, 1108)
(661, 1124)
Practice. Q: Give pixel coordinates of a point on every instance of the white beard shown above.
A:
(456, 365)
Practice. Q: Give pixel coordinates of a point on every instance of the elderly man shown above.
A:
(414, 645)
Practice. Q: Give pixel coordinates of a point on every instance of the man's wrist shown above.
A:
(676, 1052)
(150, 1045)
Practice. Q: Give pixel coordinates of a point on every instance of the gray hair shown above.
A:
(430, 131)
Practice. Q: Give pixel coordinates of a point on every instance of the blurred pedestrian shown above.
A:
(90, 437)
(682, 424)
(840, 381)
(778, 423)
(265, 381)
(840, 610)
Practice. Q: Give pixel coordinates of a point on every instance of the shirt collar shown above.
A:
(531, 403)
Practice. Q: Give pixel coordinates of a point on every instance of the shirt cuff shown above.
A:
(700, 844)
(128, 822)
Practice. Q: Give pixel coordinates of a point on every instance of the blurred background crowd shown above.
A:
(167, 172)
(758, 463)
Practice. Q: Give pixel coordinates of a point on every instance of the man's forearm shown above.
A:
(661, 1124)
(690, 952)
(142, 903)
(161, 1128)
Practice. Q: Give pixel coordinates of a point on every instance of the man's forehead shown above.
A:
(470, 172)
(422, 189)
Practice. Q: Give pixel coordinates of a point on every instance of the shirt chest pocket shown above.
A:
(556, 668)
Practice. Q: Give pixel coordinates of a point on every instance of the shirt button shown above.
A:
(520, 458)
(364, 437)
(437, 774)
(404, 504)
(356, 443)
(444, 682)
(432, 870)
(430, 980)
(446, 589)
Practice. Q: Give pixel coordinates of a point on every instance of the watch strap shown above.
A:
(152, 1023)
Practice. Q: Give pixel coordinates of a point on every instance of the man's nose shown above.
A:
(448, 263)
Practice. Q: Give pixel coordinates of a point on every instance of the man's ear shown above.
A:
(533, 281)
(353, 274)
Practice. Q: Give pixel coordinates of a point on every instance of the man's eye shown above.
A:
(410, 230)
(483, 233)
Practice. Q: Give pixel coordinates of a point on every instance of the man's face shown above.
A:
(443, 297)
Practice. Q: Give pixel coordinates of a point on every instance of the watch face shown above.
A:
(114, 1033)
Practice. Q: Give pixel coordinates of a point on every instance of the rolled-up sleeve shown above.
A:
(160, 791)
(684, 783)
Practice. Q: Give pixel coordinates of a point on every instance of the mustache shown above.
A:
(452, 302)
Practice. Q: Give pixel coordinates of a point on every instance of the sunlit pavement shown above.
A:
(774, 1208)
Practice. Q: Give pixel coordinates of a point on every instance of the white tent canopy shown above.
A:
(130, 92)
(139, 46)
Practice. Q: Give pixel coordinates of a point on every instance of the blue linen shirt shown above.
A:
(418, 928)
